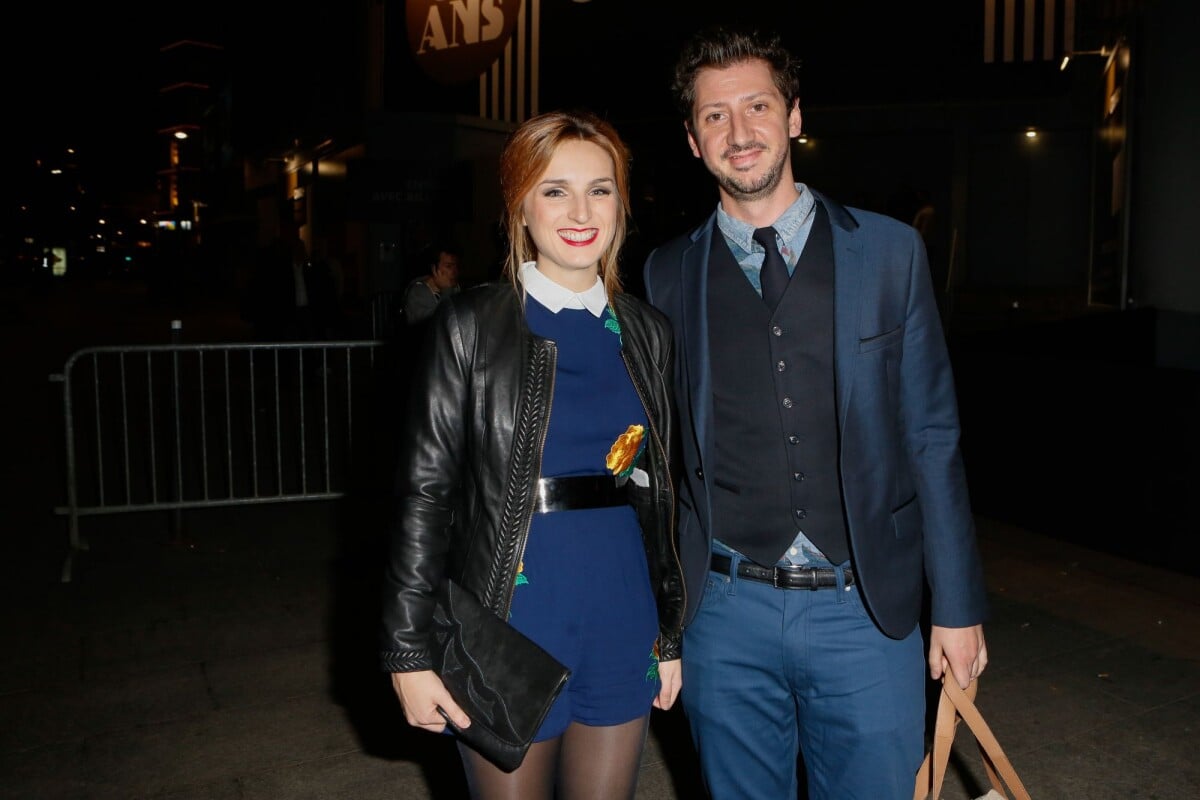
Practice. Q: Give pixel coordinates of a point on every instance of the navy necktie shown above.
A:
(774, 274)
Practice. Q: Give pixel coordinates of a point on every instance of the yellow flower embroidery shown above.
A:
(625, 450)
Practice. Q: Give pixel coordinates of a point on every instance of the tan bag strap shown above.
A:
(933, 769)
(955, 704)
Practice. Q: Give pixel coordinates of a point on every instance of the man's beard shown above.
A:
(740, 189)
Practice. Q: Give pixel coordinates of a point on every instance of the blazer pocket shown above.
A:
(881, 340)
(729, 487)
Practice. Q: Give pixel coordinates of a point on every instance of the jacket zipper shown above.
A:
(670, 484)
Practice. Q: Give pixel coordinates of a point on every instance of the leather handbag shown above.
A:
(954, 704)
(503, 680)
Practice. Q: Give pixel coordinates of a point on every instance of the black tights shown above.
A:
(585, 763)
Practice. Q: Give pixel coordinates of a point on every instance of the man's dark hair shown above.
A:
(433, 254)
(720, 47)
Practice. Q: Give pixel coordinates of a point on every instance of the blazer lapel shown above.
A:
(847, 297)
(694, 283)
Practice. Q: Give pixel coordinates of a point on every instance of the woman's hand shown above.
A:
(670, 674)
(420, 695)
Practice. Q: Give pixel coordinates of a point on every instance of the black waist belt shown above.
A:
(579, 491)
(783, 577)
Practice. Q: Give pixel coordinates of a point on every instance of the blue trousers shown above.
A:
(768, 672)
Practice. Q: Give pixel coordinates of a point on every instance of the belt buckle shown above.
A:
(793, 572)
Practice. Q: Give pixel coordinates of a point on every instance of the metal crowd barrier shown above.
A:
(386, 309)
(184, 426)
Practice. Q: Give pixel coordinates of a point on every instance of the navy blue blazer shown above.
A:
(904, 488)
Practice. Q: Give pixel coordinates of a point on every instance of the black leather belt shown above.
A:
(578, 491)
(783, 577)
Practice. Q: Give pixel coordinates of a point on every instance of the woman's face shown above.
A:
(571, 214)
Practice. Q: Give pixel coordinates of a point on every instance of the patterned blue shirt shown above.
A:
(791, 234)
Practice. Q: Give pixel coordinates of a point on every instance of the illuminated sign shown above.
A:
(456, 40)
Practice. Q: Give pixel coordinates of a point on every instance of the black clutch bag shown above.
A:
(502, 679)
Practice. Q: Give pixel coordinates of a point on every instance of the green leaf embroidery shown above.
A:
(520, 581)
(652, 670)
(611, 322)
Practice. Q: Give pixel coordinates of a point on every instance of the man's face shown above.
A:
(741, 125)
(445, 273)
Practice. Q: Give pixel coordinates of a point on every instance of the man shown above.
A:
(822, 482)
(422, 296)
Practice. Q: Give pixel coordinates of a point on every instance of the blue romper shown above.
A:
(583, 590)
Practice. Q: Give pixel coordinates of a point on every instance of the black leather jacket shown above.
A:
(470, 457)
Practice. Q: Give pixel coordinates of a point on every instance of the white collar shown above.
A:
(556, 297)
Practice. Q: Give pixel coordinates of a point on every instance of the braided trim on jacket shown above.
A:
(532, 415)
(669, 647)
(405, 660)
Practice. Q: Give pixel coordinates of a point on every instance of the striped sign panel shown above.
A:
(1027, 30)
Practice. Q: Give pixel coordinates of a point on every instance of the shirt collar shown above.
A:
(556, 297)
(789, 222)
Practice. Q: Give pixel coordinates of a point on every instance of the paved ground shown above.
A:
(238, 663)
(236, 660)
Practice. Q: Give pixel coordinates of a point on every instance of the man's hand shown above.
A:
(961, 650)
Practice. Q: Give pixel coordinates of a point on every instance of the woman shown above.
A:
(535, 472)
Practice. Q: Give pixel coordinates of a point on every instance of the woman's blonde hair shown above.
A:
(525, 159)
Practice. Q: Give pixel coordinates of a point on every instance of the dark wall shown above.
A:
(1164, 269)
(1069, 429)
(1028, 209)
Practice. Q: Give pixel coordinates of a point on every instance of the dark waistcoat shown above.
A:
(774, 415)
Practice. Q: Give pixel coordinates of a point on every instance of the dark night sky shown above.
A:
(83, 78)
(87, 77)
